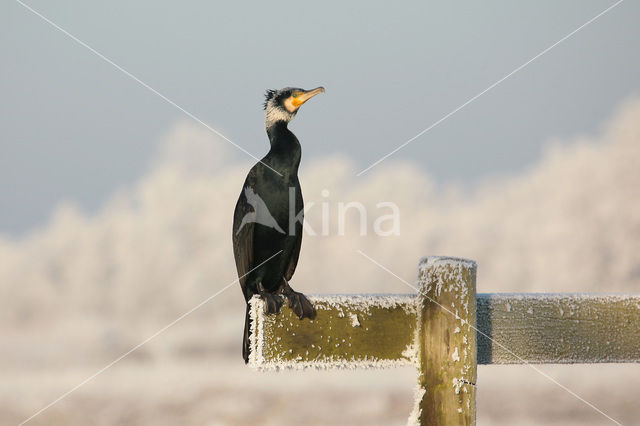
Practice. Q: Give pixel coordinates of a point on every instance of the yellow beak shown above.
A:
(302, 97)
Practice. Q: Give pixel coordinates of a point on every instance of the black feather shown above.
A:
(269, 94)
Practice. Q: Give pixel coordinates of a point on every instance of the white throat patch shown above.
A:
(274, 114)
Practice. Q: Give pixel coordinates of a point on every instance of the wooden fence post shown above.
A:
(436, 331)
(447, 342)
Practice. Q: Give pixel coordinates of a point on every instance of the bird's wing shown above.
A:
(243, 234)
(295, 253)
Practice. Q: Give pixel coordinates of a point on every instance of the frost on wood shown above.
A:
(558, 328)
(355, 322)
(536, 328)
(447, 341)
(349, 331)
(414, 417)
(437, 331)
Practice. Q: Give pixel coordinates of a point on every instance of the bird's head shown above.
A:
(283, 104)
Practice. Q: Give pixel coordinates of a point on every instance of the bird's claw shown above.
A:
(272, 303)
(300, 305)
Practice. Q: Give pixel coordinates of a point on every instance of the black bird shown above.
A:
(267, 221)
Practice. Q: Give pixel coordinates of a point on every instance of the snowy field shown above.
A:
(82, 290)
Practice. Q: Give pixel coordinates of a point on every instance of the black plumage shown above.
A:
(267, 221)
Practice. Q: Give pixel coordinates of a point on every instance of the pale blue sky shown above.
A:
(73, 127)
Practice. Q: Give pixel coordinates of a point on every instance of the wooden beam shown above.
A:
(558, 328)
(538, 328)
(350, 331)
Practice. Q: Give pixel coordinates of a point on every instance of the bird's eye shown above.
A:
(295, 95)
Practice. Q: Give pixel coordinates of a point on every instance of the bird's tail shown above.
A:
(247, 333)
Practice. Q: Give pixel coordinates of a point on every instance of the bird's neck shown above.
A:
(285, 147)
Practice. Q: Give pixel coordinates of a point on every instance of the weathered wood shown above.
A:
(558, 328)
(349, 331)
(447, 342)
(539, 328)
(446, 331)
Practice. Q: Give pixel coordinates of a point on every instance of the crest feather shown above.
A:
(269, 94)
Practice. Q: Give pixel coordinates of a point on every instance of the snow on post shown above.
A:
(446, 392)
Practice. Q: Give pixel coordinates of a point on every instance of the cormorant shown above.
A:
(267, 221)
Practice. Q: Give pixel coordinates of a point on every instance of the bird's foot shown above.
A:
(300, 305)
(272, 302)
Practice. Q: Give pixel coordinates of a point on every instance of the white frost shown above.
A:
(455, 356)
(354, 320)
(458, 383)
(414, 417)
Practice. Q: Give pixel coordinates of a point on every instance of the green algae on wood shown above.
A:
(349, 331)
